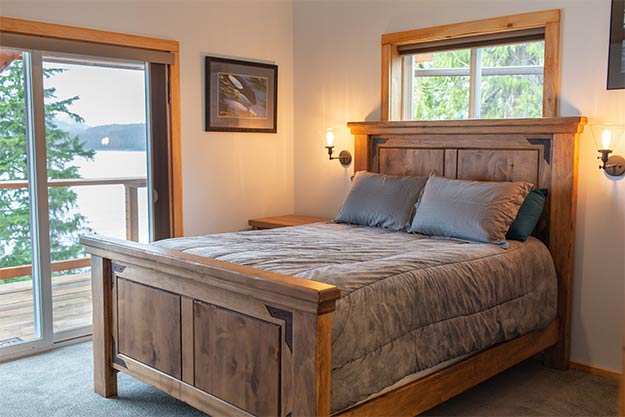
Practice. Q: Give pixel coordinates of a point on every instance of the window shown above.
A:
(505, 67)
(493, 82)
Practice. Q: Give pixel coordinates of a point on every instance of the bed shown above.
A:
(265, 322)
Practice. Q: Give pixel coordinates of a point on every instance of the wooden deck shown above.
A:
(71, 301)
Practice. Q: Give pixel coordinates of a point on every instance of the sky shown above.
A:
(107, 95)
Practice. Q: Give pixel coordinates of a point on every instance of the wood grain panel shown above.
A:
(51, 30)
(186, 318)
(237, 358)
(498, 165)
(399, 161)
(149, 326)
(563, 196)
(551, 74)
(463, 29)
(104, 377)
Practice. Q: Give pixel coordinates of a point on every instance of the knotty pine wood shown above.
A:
(104, 376)
(296, 293)
(149, 326)
(237, 359)
(498, 165)
(283, 221)
(175, 157)
(595, 370)
(51, 30)
(398, 161)
(187, 340)
(472, 28)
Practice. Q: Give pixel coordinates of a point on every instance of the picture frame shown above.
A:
(241, 96)
(616, 60)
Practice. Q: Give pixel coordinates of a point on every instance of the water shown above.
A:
(104, 205)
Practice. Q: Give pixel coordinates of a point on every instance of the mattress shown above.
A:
(409, 303)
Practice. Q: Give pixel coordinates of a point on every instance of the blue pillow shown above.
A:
(528, 215)
(378, 200)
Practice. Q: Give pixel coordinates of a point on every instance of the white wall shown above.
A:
(337, 79)
(227, 177)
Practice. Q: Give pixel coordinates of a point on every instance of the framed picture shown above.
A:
(241, 96)
(616, 61)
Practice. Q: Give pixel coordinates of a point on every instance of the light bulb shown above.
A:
(329, 137)
(606, 139)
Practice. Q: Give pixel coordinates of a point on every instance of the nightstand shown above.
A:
(283, 221)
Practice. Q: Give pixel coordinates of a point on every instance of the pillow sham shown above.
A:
(469, 210)
(379, 200)
(529, 213)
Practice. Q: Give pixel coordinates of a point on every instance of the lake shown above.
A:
(104, 205)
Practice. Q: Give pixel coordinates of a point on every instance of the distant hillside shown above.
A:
(130, 137)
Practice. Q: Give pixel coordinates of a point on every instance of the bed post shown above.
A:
(562, 236)
(312, 359)
(104, 376)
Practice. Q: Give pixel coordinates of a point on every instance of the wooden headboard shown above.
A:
(540, 151)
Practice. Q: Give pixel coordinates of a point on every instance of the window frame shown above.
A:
(394, 66)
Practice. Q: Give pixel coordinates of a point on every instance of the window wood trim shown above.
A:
(391, 88)
(50, 30)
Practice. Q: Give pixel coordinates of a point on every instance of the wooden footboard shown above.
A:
(224, 338)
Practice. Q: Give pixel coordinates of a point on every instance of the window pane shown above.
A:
(441, 85)
(510, 96)
(448, 59)
(17, 307)
(519, 54)
(97, 169)
(512, 80)
(441, 98)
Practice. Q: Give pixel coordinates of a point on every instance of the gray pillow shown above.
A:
(469, 210)
(381, 200)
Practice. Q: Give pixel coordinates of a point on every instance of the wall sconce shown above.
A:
(606, 138)
(345, 158)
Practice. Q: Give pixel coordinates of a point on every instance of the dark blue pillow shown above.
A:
(528, 215)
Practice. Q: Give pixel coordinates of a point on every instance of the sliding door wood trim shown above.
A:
(51, 30)
(176, 152)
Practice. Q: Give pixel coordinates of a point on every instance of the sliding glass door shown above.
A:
(75, 137)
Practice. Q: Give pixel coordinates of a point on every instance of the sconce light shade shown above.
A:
(607, 137)
(329, 137)
(345, 158)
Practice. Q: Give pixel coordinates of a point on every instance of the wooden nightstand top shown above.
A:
(283, 221)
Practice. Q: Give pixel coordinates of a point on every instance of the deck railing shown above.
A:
(131, 185)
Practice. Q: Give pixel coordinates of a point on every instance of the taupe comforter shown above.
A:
(408, 302)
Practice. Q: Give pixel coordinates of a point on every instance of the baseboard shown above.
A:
(595, 370)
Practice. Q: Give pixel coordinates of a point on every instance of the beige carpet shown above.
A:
(59, 384)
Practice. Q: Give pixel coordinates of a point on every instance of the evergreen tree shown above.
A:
(66, 223)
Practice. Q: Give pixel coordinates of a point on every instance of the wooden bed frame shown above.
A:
(233, 340)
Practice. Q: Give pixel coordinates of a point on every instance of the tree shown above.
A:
(66, 224)
(501, 96)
